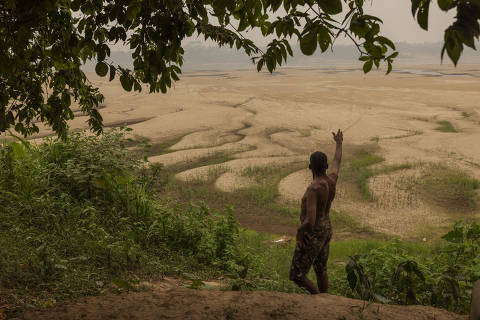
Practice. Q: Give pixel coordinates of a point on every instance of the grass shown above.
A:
(144, 148)
(243, 103)
(252, 111)
(410, 133)
(421, 119)
(261, 200)
(272, 130)
(304, 132)
(260, 205)
(357, 171)
(273, 261)
(445, 126)
(346, 226)
(450, 188)
(395, 167)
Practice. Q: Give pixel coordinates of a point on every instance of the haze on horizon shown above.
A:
(416, 46)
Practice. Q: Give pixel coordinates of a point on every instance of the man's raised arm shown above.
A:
(338, 137)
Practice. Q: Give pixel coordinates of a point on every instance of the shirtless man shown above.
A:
(313, 236)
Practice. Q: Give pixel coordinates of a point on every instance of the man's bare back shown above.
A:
(323, 189)
(315, 232)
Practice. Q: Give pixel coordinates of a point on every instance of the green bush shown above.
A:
(444, 279)
(77, 214)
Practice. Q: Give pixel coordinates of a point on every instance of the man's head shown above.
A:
(318, 163)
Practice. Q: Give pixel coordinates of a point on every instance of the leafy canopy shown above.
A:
(43, 43)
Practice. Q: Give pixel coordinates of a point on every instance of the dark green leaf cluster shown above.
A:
(41, 53)
(465, 30)
(390, 274)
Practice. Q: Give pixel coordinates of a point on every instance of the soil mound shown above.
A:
(181, 303)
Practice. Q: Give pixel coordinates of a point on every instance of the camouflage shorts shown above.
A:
(314, 253)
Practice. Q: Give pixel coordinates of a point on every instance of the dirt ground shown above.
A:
(167, 302)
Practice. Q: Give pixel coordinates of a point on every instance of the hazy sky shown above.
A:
(399, 24)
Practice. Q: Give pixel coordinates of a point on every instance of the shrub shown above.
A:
(77, 214)
(390, 274)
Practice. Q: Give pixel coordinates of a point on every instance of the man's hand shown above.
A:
(302, 238)
(335, 167)
(338, 137)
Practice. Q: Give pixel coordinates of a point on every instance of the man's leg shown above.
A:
(306, 284)
(320, 266)
(322, 281)
(301, 263)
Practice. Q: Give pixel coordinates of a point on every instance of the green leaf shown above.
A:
(330, 6)
(415, 5)
(243, 24)
(474, 231)
(393, 55)
(289, 49)
(260, 64)
(446, 5)
(112, 72)
(466, 35)
(453, 45)
(367, 66)
(133, 9)
(454, 236)
(101, 69)
(351, 276)
(386, 41)
(174, 76)
(422, 16)
(137, 86)
(359, 27)
(284, 52)
(126, 82)
(163, 86)
(372, 18)
(324, 39)
(389, 67)
(270, 63)
(308, 43)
